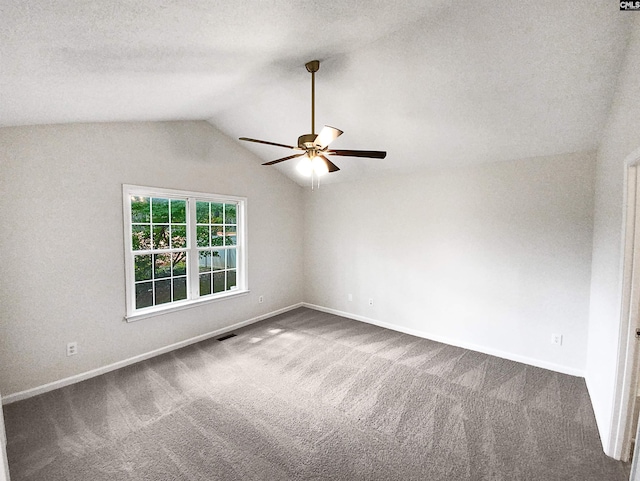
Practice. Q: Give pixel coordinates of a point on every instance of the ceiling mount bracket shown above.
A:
(313, 66)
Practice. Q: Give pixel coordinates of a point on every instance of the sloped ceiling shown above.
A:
(435, 83)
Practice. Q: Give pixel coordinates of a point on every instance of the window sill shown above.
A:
(186, 305)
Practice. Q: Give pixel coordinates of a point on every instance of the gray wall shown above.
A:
(495, 257)
(620, 139)
(62, 240)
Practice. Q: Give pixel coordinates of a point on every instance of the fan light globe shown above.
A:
(305, 167)
(314, 165)
(319, 166)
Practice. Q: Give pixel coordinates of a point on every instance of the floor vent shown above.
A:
(228, 336)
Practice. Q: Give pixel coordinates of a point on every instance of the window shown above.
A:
(182, 248)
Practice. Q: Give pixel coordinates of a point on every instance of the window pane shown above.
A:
(230, 235)
(217, 260)
(140, 211)
(142, 267)
(202, 233)
(179, 263)
(160, 211)
(217, 233)
(160, 236)
(178, 211)
(178, 236)
(218, 282)
(202, 212)
(231, 258)
(205, 261)
(141, 237)
(163, 291)
(179, 288)
(216, 213)
(229, 213)
(144, 295)
(231, 279)
(205, 284)
(162, 266)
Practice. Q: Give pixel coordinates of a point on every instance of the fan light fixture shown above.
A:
(314, 162)
(310, 166)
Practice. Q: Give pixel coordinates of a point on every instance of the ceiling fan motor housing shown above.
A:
(306, 141)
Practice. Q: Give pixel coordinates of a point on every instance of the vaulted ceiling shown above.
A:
(435, 83)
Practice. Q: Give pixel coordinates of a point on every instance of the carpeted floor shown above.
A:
(309, 396)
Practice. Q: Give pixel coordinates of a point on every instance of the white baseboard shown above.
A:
(18, 396)
(454, 342)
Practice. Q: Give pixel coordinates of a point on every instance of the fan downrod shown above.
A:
(313, 67)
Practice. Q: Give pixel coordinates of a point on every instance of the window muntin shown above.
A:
(183, 247)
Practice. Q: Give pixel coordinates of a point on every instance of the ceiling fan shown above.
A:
(316, 147)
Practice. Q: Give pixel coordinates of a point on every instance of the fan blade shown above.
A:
(332, 167)
(326, 136)
(283, 159)
(268, 143)
(373, 154)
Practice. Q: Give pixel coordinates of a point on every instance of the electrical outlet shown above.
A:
(72, 349)
(556, 339)
(261, 299)
(371, 302)
(350, 297)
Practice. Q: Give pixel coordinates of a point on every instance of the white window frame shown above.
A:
(193, 297)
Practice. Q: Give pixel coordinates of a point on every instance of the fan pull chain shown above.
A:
(315, 177)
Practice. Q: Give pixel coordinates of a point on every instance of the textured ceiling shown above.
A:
(435, 83)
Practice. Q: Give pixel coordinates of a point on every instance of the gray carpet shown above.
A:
(309, 396)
